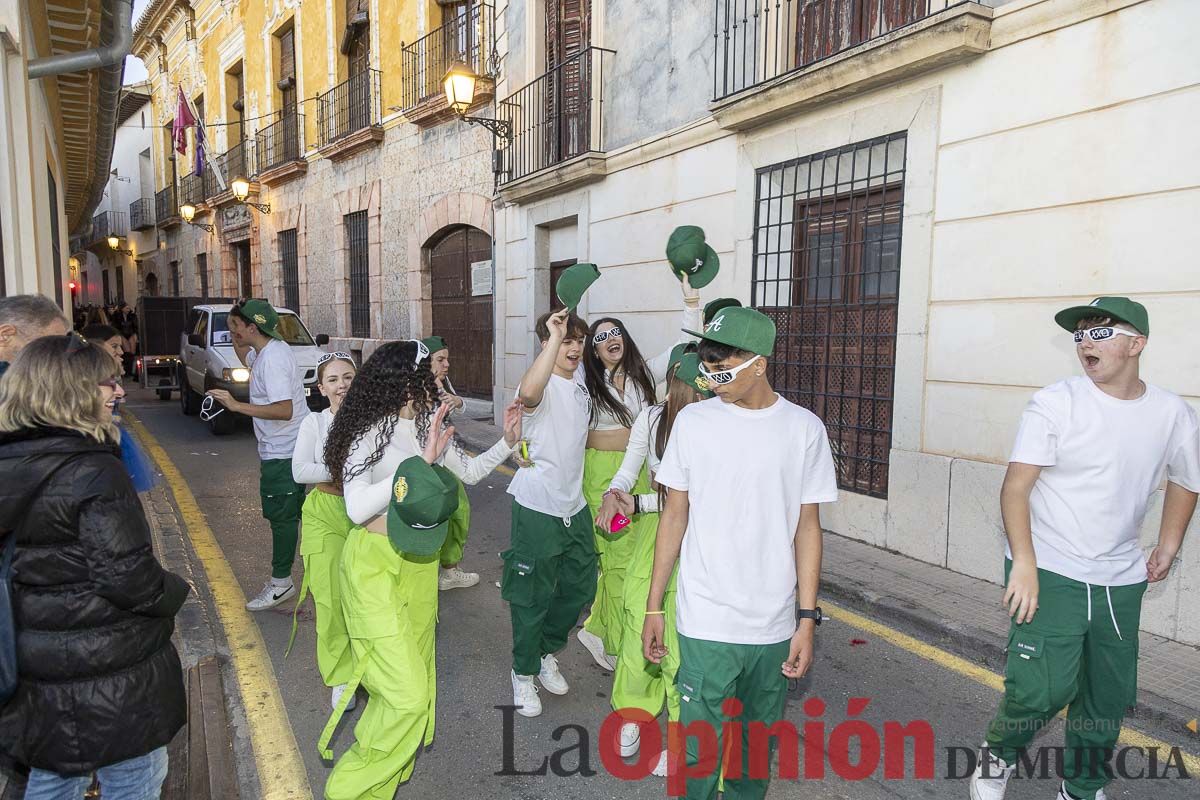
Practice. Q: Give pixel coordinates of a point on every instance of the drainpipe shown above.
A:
(112, 50)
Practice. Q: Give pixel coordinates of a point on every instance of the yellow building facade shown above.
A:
(374, 202)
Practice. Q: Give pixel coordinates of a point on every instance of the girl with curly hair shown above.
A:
(389, 598)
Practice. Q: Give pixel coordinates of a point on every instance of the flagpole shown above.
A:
(202, 143)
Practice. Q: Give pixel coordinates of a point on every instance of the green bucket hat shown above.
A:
(713, 306)
(435, 343)
(262, 314)
(743, 328)
(689, 373)
(574, 281)
(690, 254)
(1122, 309)
(423, 498)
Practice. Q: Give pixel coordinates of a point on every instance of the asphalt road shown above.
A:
(473, 669)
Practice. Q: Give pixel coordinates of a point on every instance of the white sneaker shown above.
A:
(272, 595)
(595, 646)
(1063, 795)
(550, 677)
(338, 691)
(525, 695)
(998, 770)
(631, 739)
(455, 578)
(664, 762)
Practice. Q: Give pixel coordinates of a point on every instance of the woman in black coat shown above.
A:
(100, 684)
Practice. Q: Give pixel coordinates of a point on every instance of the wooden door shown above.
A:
(568, 34)
(464, 320)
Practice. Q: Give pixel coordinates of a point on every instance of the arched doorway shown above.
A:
(151, 285)
(462, 308)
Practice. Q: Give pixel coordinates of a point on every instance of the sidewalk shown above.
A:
(957, 613)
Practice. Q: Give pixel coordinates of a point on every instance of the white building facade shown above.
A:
(910, 190)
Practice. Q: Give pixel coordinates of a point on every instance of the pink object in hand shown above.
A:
(618, 522)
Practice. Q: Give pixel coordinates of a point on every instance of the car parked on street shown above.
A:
(207, 360)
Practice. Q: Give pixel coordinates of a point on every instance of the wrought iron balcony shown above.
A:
(191, 190)
(108, 223)
(351, 106)
(236, 162)
(166, 205)
(555, 117)
(468, 39)
(279, 142)
(756, 41)
(141, 214)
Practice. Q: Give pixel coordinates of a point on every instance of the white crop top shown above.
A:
(367, 494)
(308, 459)
(632, 398)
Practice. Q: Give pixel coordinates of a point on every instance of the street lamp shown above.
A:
(114, 244)
(241, 190)
(188, 212)
(459, 85)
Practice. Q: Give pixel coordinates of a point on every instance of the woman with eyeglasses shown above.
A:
(389, 598)
(100, 687)
(323, 528)
(621, 384)
(638, 683)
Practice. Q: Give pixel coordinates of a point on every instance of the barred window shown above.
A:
(290, 263)
(827, 271)
(202, 273)
(359, 272)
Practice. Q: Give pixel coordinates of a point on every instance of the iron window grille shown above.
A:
(291, 269)
(175, 278)
(827, 270)
(202, 273)
(120, 275)
(359, 272)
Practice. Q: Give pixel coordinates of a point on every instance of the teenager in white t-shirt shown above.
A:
(278, 406)
(1090, 451)
(745, 564)
(550, 569)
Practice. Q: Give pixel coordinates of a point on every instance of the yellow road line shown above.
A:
(281, 772)
(992, 680)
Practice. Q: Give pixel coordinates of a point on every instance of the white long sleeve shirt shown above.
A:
(308, 459)
(367, 493)
(640, 450)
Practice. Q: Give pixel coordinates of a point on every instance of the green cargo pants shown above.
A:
(1080, 651)
(549, 576)
(456, 535)
(282, 499)
(711, 673)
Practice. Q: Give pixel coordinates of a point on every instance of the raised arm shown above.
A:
(533, 382)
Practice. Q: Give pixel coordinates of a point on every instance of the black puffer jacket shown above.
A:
(100, 681)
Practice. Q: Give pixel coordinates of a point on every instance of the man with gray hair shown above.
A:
(23, 318)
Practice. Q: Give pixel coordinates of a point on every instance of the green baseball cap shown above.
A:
(423, 498)
(689, 373)
(677, 353)
(713, 306)
(435, 343)
(262, 314)
(690, 254)
(1122, 309)
(574, 281)
(743, 328)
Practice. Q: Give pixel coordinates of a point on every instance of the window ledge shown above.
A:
(583, 169)
(434, 110)
(282, 173)
(170, 222)
(352, 144)
(956, 34)
(226, 198)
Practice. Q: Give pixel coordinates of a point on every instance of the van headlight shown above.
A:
(236, 375)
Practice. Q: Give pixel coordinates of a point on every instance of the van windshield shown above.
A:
(290, 327)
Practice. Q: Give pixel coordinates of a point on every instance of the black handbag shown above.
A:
(8, 624)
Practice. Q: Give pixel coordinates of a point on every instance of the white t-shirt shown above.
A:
(557, 434)
(308, 458)
(1102, 458)
(274, 376)
(747, 473)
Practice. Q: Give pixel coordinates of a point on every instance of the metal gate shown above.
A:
(460, 316)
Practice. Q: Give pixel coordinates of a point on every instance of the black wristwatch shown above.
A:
(806, 613)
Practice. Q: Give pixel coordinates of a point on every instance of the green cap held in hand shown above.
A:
(423, 499)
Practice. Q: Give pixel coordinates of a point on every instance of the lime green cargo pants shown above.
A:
(324, 530)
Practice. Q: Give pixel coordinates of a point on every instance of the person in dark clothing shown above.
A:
(100, 683)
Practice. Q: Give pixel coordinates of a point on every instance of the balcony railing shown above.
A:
(191, 189)
(758, 40)
(349, 107)
(469, 39)
(141, 214)
(108, 223)
(556, 117)
(279, 142)
(236, 162)
(166, 205)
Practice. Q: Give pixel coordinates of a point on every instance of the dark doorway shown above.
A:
(461, 317)
(151, 285)
(241, 251)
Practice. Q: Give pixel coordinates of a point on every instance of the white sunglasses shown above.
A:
(1102, 333)
(602, 336)
(725, 376)
(422, 350)
(330, 356)
(206, 408)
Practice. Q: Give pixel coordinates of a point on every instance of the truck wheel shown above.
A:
(189, 401)
(223, 424)
(164, 390)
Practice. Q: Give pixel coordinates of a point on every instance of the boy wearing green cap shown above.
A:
(449, 575)
(1089, 453)
(744, 565)
(277, 406)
